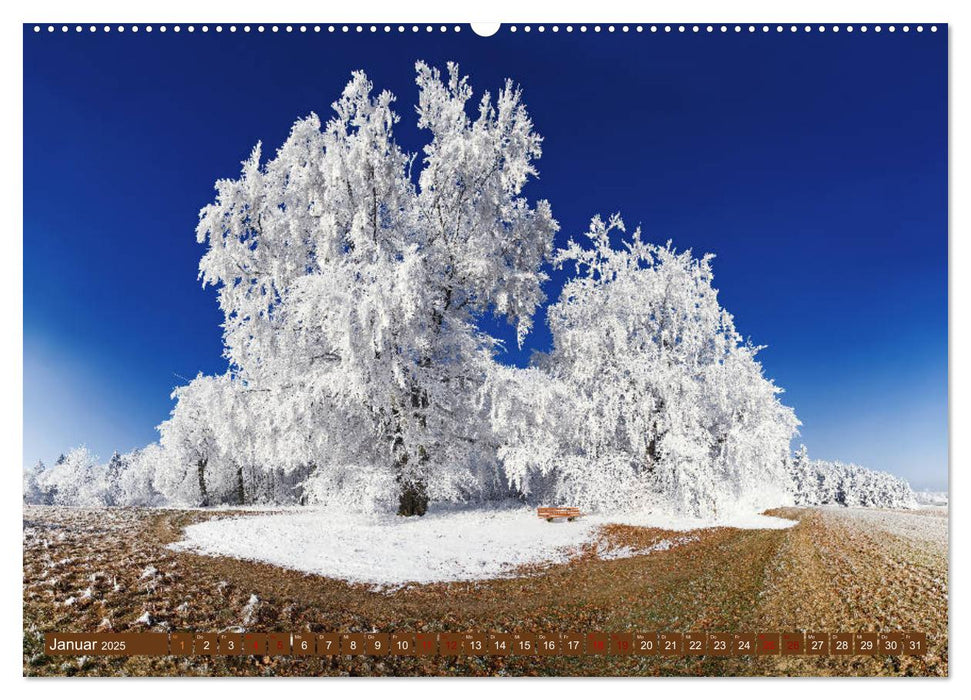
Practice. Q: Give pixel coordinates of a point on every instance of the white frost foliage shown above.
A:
(251, 609)
(819, 483)
(34, 491)
(145, 619)
(353, 489)
(351, 296)
(136, 481)
(76, 480)
(649, 398)
(931, 498)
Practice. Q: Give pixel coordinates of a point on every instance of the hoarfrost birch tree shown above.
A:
(189, 439)
(350, 292)
(669, 405)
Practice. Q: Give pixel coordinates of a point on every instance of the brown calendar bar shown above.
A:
(645, 643)
(457, 644)
(254, 643)
(352, 644)
(377, 644)
(743, 644)
(718, 644)
(768, 644)
(841, 644)
(230, 644)
(622, 644)
(597, 643)
(866, 643)
(426, 644)
(670, 643)
(181, 643)
(450, 644)
(915, 643)
(278, 644)
(500, 644)
(694, 643)
(891, 643)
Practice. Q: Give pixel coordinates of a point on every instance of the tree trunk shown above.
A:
(413, 499)
(240, 489)
(413, 496)
(201, 472)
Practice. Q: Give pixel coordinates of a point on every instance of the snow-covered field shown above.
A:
(926, 525)
(445, 545)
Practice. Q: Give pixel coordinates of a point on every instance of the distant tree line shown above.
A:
(816, 482)
(147, 478)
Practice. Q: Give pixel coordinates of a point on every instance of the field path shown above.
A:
(863, 571)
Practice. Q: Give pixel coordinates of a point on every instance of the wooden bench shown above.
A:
(549, 514)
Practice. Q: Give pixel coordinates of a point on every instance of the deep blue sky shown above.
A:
(813, 165)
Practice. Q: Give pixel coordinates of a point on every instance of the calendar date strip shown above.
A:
(459, 644)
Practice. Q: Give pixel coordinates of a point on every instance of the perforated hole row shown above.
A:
(429, 28)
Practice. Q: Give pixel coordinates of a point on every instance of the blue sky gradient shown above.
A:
(813, 165)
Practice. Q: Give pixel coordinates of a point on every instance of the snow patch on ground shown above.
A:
(145, 619)
(748, 521)
(447, 544)
(442, 546)
(662, 546)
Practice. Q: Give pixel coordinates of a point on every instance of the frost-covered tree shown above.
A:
(650, 396)
(222, 445)
(189, 441)
(76, 480)
(136, 481)
(808, 483)
(34, 492)
(113, 470)
(351, 290)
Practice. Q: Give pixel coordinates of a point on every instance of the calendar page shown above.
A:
(485, 350)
